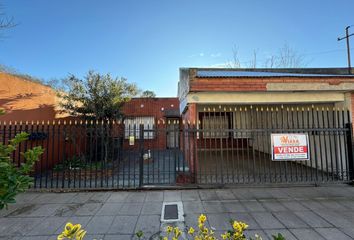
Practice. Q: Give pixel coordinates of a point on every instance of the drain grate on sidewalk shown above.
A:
(172, 212)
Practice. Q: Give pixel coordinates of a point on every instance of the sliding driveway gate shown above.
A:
(225, 147)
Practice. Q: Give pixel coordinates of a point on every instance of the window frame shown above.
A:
(133, 127)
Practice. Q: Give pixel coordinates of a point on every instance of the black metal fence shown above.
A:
(102, 154)
(225, 145)
(234, 145)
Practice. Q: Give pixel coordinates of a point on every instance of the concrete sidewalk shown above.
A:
(296, 212)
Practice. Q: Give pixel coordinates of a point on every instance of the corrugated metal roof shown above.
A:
(230, 73)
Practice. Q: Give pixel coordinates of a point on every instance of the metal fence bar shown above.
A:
(225, 145)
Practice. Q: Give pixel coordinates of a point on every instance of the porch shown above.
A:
(234, 143)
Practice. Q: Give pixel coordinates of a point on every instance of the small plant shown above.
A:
(72, 231)
(278, 237)
(203, 233)
(72, 163)
(14, 179)
(77, 163)
(237, 232)
(139, 234)
(174, 233)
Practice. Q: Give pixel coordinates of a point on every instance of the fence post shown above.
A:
(195, 153)
(141, 158)
(349, 136)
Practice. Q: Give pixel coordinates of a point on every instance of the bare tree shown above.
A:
(6, 22)
(286, 57)
(289, 58)
(253, 62)
(270, 62)
(235, 63)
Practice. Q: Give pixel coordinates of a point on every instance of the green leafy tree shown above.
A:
(97, 96)
(148, 94)
(14, 179)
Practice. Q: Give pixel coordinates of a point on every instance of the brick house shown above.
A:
(225, 104)
(217, 130)
(153, 113)
(34, 107)
(203, 87)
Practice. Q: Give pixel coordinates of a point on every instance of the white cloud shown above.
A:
(201, 54)
(215, 55)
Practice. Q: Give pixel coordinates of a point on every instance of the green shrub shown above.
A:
(14, 179)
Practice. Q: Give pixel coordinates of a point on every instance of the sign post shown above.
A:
(290, 147)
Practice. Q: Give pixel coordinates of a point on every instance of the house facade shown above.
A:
(235, 111)
(158, 116)
(219, 130)
(201, 88)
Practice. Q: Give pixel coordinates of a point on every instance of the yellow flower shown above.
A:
(191, 231)
(245, 226)
(202, 218)
(224, 236)
(72, 231)
(239, 226)
(200, 225)
(235, 225)
(165, 238)
(169, 229)
(61, 237)
(80, 234)
(205, 230)
(177, 232)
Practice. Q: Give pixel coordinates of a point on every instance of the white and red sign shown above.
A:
(292, 146)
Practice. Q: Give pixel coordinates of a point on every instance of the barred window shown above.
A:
(241, 123)
(215, 126)
(132, 127)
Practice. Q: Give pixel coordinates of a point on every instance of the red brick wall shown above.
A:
(225, 84)
(190, 115)
(190, 139)
(151, 107)
(254, 84)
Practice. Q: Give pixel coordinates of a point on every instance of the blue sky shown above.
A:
(148, 41)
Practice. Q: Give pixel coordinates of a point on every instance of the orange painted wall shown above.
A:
(25, 100)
